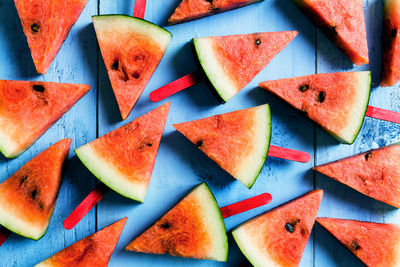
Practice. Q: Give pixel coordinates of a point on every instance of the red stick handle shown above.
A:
(4, 233)
(176, 86)
(383, 114)
(246, 205)
(86, 205)
(289, 154)
(139, 9)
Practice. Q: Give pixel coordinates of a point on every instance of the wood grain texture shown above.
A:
(180, 165)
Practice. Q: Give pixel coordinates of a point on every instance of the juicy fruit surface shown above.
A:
(335, 101)
(376, 244)
(343, 23)
(391, 43)
(124, 158)
(374, 173)
(28, 109)
(193, 228)
(237, 141)
(231, 62)
(279, 237)
(194, 9)
(46, 25)
(28, 197)
(131, 48)
(94, 250)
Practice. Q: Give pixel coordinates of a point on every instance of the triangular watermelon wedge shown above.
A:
(28, 109)
(279, 236)
(194, 228)
(374, 173)
(335, 101)
(391, 43)
(46, 25)
(375, 244)
(124, 158)
(93, 250)
(131, 48)
(195, 9)
(28, 197)
(237, 141)
(343, 23)
(231, 62)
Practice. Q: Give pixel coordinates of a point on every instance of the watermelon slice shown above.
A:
(231, 62)
(237, 141)
(28, 197)
(124, 158)
(279, 236)
(194, 228)
(46, 25)
(131, 48)
(93, 250)
(195, 9)
(28, 109)
(391, 43)
(343, 23)
(335, 101)
(374, 173)
(375, 244)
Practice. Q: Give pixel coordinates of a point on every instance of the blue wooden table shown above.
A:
(180, 165)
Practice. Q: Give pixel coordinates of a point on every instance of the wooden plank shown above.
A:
(75, 63)
(339, 200)
(179, 165)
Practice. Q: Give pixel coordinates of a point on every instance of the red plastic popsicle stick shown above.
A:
(245, 205)
(139, 9)
(176, 86)
(86, 205)
(4, 233)
(383, 114)
(289, 154)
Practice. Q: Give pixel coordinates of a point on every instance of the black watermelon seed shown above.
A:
(35, 28)
(304, 87)
(368, 156)
(166, 225)
(394, 33)
(334, 30)
(289, 228)
(258, 42)
(38, 88)
(115, 65)
(199, 143)
(149, 144)
(321, 96)
(34, 194)
(136, 75)
(23, 179)
(354, 245)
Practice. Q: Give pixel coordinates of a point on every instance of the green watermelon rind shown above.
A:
(108, 175)
(357, 128)
(216, 219)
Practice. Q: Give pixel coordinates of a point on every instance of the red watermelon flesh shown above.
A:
(391, 43)
(335, 101)
(195, 9)
(93, 250)
(46, 25)
(124, 158)
(131, 48)
(343, 23)
(28, 197)
(375, 173)
(279, 236)
(231, 62)
(375, 244)
(28, 109)
(193, 228)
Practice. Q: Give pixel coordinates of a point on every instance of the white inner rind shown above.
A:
(223, 84)
(358, 108)
(18, 225)
(251, 166)
(248, 245)
(109, 175)
(214, 223)
(8, 147)
(130, 24)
